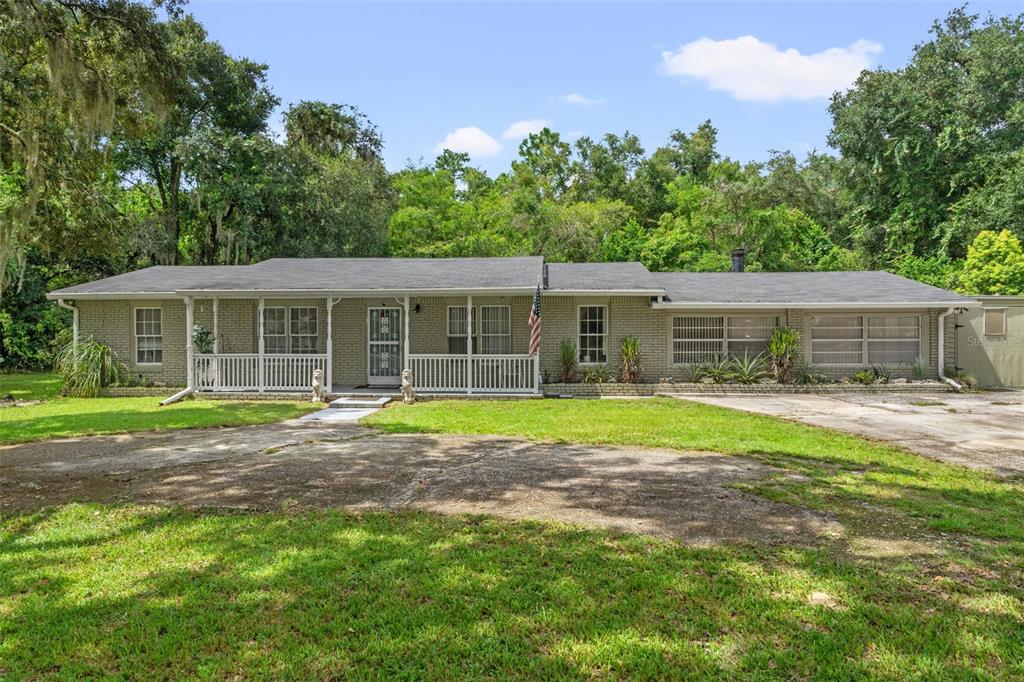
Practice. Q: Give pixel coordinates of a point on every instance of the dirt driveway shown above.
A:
(980, 430)
(661, 492)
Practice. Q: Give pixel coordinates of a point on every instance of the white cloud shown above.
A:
(470, 140)
(755, 71)
(579, 100)
(521, 129)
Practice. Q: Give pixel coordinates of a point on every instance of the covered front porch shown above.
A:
(362, 343)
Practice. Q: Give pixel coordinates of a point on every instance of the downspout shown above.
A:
(74, 319)
(942, 350)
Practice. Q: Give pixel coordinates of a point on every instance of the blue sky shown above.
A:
(467, 73)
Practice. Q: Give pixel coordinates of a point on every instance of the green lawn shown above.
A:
(58, 417)
(837, 469)
(29, 385)
(924, 583)
(143, 593)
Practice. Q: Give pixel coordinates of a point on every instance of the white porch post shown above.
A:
(469, 344)
(190, 372)
(216, 332)
(405, 337)
(329, 365)
(259, 332)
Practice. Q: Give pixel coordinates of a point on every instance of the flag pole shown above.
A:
(536, 359)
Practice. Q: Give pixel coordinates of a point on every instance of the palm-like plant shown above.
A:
(749, 370)
(88, 366)
(782, 349)
(568, 361)
(630, 372)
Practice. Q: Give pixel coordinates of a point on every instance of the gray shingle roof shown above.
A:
(800, 287)
(325, 274)
(159, 279)
(601, 277)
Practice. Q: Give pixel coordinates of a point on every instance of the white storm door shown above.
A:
(385, 350)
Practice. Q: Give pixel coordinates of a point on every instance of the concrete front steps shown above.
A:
(359, 403)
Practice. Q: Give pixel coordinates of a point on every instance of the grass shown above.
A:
(29, 385)
(836, 469)
(134, 592)
(925, 582)
(58, 417)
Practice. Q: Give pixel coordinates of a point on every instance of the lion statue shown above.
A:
(408, 392)
(319, 390)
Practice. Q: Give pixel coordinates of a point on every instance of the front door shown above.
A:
(385, 351)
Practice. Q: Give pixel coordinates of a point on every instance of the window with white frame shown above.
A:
(149, 340)
(995, 321)
(894, 339)
(865, 339)
(701, 338)
(593, 333)
(697, 338)
(748, 335)
(303, 329)
(275, 330)
(495, 330)
(457, 329)
(837, 340)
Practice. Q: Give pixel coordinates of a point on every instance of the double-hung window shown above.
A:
(593, 334)
(458, 334)
(702, 338)
(495, 330)
(303, 330)
(865, 339)
(275, 330)
(149, 340)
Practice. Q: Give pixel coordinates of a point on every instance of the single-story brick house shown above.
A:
(362, 320)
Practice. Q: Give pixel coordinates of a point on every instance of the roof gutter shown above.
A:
(860, 305)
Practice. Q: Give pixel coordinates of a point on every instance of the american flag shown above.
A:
(535, 322)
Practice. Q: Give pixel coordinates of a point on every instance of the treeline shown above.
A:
(129, 138)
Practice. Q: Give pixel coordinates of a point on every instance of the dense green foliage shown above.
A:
(129, 138)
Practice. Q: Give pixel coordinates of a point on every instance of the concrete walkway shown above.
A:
(689, 496)
(979, 430)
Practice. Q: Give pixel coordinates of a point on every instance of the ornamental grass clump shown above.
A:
(89, 366)
(567, 361)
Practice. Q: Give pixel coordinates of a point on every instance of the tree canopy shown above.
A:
(129, 137)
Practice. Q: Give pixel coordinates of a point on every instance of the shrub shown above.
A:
(718, 369)
(749, 370)
(806, 377)
(597, 374)
(918, 369)
(782, 349)
(89, 366)
(630, 372)
(864, 376)
(568, 361)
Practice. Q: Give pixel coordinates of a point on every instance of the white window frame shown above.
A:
(484, 334)
(283, 335)
(314, 334)
(723, 340)
(984, 321)
(865, 340)
(448, 328)
(136, 336)
(603, 335)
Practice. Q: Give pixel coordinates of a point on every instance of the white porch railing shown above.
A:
(477, 373)
(241, 371)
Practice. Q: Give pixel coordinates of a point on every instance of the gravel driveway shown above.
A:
(979, 430)
(308, 464)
